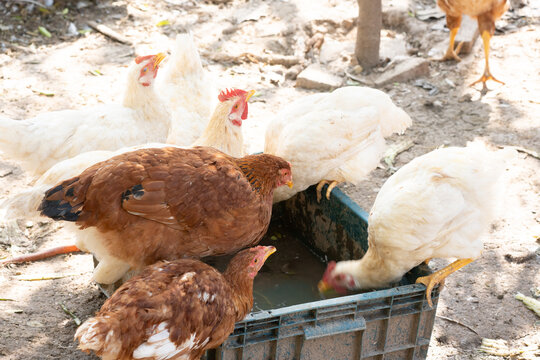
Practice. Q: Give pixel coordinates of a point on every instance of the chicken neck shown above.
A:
(256, 171)
(221, 134)
(145, 99)
(241, 291)
(373, 270)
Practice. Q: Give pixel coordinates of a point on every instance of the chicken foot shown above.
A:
(331, 185)
(438, 277)
(451, 53)
(41, 254)
(486, 36)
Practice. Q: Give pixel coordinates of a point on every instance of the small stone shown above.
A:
(465, 98)
(314, 77)
(293, 72)
(347, 24)
(28, 224)
(408, 69)
(357, 69)
(72, 30)
(500, 296)
(437, 104)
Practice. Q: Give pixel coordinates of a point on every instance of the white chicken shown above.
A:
(336, 136)
(436, 206)
(50, 137)
(187, 90)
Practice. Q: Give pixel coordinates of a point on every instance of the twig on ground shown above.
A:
(284, 60)
(458, 323)
(532, 153)
(107, 31)
(45, 277)
(3, 299)
(32, 2)
(396, 149)
(73, 316)
(359, 79)
(529, 302)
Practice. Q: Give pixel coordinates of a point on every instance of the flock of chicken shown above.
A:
(190, 191)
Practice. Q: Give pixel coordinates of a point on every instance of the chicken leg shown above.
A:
(486, 36)
(41, 254)
(453, 23)
(331, 185)
(438, 277)
(452, 54)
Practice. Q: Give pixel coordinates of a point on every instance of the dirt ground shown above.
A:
(76, 67)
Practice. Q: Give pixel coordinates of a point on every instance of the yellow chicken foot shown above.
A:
(331, 185)
(438, 277)
(452, 54)
(486, 36)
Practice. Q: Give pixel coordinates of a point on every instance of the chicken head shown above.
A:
(339, 281)
(250, 261)
(149, 66)
(236, 101)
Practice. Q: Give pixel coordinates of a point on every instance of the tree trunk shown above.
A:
(368, 34)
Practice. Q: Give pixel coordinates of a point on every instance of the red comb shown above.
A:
(140, 59)
(227, 94)
(331, 266)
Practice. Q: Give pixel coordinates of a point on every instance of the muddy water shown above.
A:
(289, 276)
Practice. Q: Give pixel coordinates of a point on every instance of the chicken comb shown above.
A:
(226, 94)
(331, 266)
(140, 59)
(158, 58)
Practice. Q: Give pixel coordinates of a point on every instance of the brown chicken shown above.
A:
(174, 310)
(168, 203)
(486, 12)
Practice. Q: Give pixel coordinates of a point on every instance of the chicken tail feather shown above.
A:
(60, 202)
(97, 334)
(23, 205)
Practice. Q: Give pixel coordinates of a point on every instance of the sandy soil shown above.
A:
(478, 300)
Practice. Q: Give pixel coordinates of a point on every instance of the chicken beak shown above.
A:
(158, 59)
(323, 286)
(290, 184)
(269, 251)
(249, 94)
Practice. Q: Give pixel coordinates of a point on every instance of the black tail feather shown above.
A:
(56, 203)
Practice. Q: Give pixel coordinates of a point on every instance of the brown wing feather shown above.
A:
(164, 293)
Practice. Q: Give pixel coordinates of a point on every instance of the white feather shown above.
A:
(159, 346)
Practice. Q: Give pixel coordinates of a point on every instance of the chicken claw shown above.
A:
(452, 54)
(484, 78)
(486, 36)
(438, 277)
(331, 185)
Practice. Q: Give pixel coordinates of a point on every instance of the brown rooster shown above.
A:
(174, 310)
(168, 203)
(486, 12)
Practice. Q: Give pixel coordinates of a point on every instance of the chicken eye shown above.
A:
(256, 261)
(145, 69)
(236, 106)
